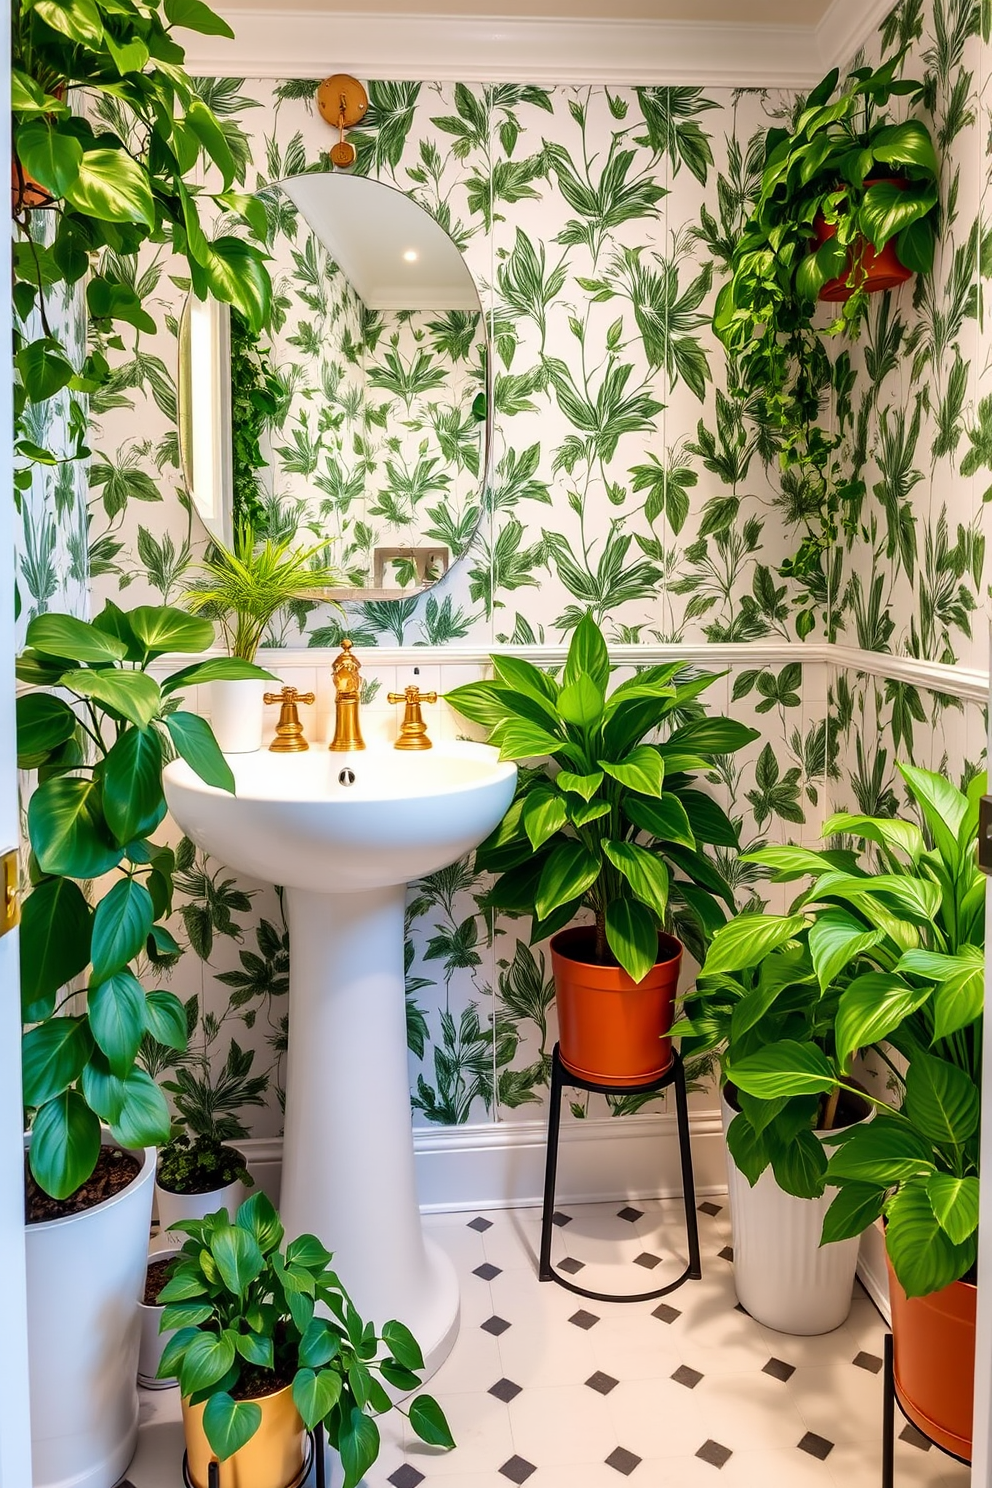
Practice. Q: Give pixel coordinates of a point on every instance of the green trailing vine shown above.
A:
(255, 394)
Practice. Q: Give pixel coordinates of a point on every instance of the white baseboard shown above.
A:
(872, 1271)
(501, 1166)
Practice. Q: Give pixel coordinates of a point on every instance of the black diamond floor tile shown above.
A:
(406, 1476)
(666, 1313)
(871, 1362)
(816, 1446)
(686, 1376)
(518, 1469)
(739, 1306)
(570, 1265)
(647, 1260)
(602, 1383)
(914, 1438)
(561, 1220)
(714, 1453)
(494, 1325)
(710, 1209)
(726, 1254)
(623, 1461)
(583, 1319)
(778, 1369)
(481, 1224)
(487, 1272)
(629, 1214)
(505, 1390)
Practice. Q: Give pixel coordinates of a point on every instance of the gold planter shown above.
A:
(272, 1459)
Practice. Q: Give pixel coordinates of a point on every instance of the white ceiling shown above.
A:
(367, 228)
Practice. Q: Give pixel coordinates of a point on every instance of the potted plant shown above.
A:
(112, 178)
(268, 1344)
(196, 1178)
(767, 978)
(613, 824)
(243, 588)
(98, 744)
(848, 203)
(158, 1270)
(914, 936)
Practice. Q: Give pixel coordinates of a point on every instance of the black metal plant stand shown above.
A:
(674, 1075)
(890, 1399)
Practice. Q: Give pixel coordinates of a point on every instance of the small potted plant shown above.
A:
(96, 726)
(242, 588)
(268, 1345)
(848, 203)
(161, 1263)
(613, 824)
(195, 1178)
(913, 935)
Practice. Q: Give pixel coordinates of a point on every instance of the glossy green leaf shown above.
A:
(428, 1421)
(238, 1256)
(134, 695)
(665, 819)
(258, 1216)
(582, 785)
(65, 1144)
(713, 736)
(782, 1069)
(587, 655)
(632, 935)
(319, 1344)
(402, 1345)
(214, 141)
(55, 943)
(518, 738)
(581, 703)
(206, 1360)
(955, 1205)
(52, 1057)
(121, 926)
(132, 785)
(195, 743)
(898, 836)
(853, 1209)
(642, 770)
(747, 1147)
(941, 1100)
(307, 1251)
(193, 15)
(116, 1009)
(924, 1258)
(544, 815)
(256, 1349)
(644, 871)
(316, 1393)
(748, 939)
(144, 1120)
(885, 1151)
(570, 870)
(112, 187)
(358, 1444)
(236, 275)
(162, 628)
(43, 724)
(103, 1091)
(165, 1019)
(218, 669)
(799, 1166)
(67, 828)
(76, 640)
(836, 940)
(228, 1424)
(79, 21)
(871, 1008)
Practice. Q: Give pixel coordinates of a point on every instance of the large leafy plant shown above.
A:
(114, 179)
(847, 163)
(908, 941)
(243, 1306)
(612, 822)
(98, 730)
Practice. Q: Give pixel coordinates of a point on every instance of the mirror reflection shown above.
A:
(361, 416)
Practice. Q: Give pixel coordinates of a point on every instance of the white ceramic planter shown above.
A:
(783, 1277)
(236, 710)
(152, 1340)
(85, 1274)
(172, 1207)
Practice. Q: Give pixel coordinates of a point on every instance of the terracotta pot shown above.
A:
(273, 1458)
(934, 1346)
(610, 1027)
(25, 191)
(872, 271)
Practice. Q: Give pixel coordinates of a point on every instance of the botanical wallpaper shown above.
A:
(597, 225)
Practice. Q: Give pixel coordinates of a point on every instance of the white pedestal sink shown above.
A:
(344, 850)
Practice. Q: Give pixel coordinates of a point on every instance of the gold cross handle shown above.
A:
(289, 730)
(413, 729)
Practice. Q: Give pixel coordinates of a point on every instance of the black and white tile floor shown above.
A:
(557, 1391)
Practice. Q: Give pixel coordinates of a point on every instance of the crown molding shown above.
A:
(287, 43)
(846, 26)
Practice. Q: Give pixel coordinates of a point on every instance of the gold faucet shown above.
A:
(347, 730)
(289, 730)
(413, 730)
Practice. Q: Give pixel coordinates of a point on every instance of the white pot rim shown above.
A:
(163, 1253)
(147, 1156)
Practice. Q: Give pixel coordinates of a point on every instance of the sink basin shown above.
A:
(295, 822)
(344, 834)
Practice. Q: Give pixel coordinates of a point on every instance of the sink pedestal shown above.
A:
(348, 1170)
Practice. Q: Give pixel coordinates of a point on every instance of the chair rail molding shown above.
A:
(276, 42)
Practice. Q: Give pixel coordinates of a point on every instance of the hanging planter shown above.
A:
(868, 268)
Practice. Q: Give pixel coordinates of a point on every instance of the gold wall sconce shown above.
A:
(343, 102)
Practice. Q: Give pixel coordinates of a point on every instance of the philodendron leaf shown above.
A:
(206, 1359)
(116, 1009)
(65, 1144)
(228, 1424)
(428, 1421)
(121, 926)
(748, 939)
(162, 628)
(924, 1258)
(941, 1100)
(871, 1008)
(315, 1394)
(258, 1216)
(239, 1257)
(144, 1120)
(402, 1345)
(67, 828)
(786, 1068)
(218, 669)
(358, 1444)
(855, 1207)
(112, 187)
(544, 814)
(256, 1349)
(165, 1019)
(133, 802)
(955, 1205)
(569, 871)
(583, 785)
(133, 695)
(747, 1148)
(43, 723)
(195, 742)
(52, 1057)
(632, 935)
(587, 655)
(836, 939)
(73, 640)
(642, 770)
(644, 871)
(55, 943)
(885, 1151)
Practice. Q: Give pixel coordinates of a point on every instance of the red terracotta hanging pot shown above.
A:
(934, 1348)
(867, 268)
(610, 1028)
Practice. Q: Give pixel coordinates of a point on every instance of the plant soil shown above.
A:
(255, 1383)
(156, 1276)
(114, 1170)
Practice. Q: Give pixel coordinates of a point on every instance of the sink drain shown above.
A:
(346, 777)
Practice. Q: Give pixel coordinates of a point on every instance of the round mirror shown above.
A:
(363, 415)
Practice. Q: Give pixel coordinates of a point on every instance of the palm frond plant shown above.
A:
(850, 175)
(255, 1321)
(243, 587)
